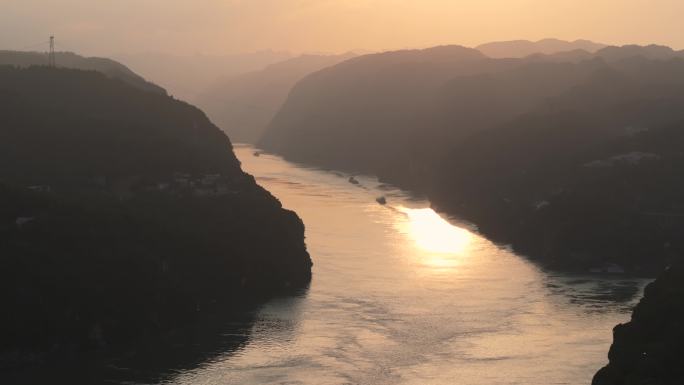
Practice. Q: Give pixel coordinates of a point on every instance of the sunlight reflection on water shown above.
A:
(402, 296)
(442, 242)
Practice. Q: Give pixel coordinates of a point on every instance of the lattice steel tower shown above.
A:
(52, 61)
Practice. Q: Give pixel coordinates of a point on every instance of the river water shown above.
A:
(402, 296)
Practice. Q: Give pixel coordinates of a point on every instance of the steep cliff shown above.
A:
(124, 213)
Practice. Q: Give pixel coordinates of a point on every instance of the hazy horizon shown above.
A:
(214, 27)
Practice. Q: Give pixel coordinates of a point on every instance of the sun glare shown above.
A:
(434, 234)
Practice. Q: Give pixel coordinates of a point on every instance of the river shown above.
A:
(402, 296)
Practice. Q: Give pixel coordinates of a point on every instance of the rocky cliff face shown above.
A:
(124, 213)
(650, 348)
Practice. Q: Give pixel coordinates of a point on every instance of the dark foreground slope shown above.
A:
(124, 213)
(244, 105)
(650, 348)
(562, 156)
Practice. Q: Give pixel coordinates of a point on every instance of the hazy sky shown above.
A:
(230, 26)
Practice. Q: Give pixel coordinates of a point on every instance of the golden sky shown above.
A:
(230, 26)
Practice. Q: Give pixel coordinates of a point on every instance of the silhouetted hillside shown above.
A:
(70, 60)
(243, 106)
(649, 348)
(518, 146)
(369, 106)
(586, 180)
(66, 124)
(124, 213)
(391, 110)
(523, 48)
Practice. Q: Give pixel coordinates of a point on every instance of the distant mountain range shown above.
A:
(188, 76)
(244, 105)
(522, 48)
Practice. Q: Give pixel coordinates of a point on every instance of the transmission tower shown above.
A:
(52, 61)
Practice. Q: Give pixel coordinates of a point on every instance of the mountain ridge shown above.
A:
(522, 48)
(109, 67)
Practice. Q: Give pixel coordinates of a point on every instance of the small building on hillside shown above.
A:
(23, 221)
(210, 179)
(40, 188)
